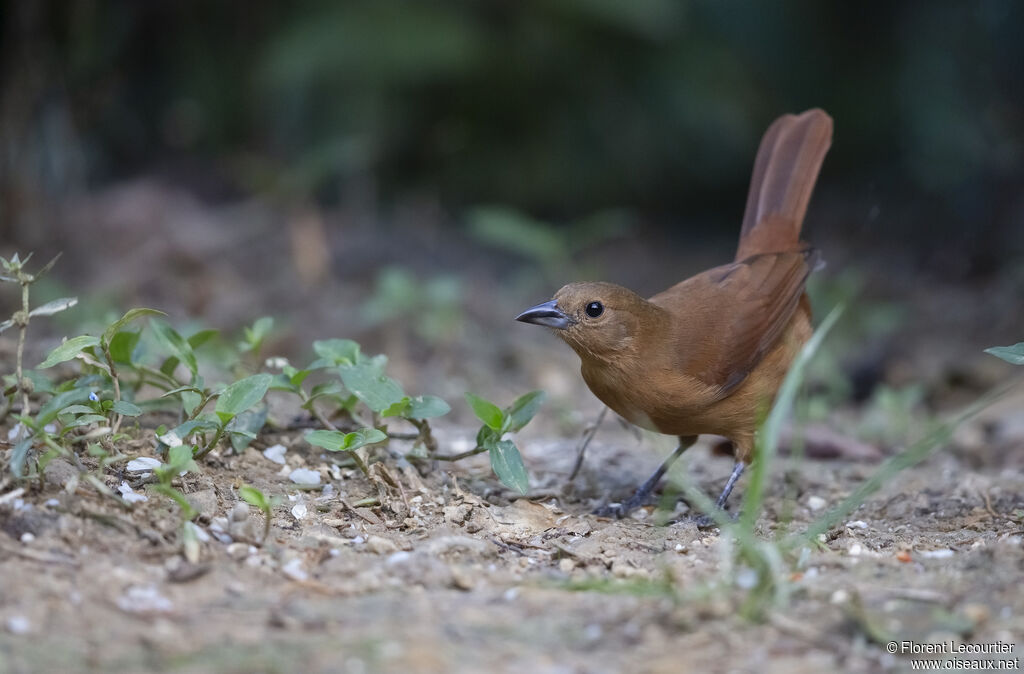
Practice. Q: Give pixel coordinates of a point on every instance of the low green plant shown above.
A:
(255, 497)
(14, 271)
(140, 352)
(498, 422)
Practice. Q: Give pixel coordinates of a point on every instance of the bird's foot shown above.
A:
(707, 522)
(619, 510)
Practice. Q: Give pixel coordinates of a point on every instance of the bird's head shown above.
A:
(600, 320)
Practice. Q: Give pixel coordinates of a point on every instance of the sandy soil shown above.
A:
(454, 576)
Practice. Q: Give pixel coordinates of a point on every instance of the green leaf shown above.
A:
(201, 337)
(368, 382)
(179, 460)
(175, 343)
(182, 389)
(337, 351)
(169, 366)
(336, 441)
(426, 407)
(255, 335)
(486, 411)
(126, 408)
(328, 388)
(85, 420)
(246, 426)
(398, 409)
(130, 316)
(508, 466)
(524, 408)
(254, 497)
(52, 407)
(77, 409)
(54, 307)
(1011, 354)
(188, 428)
(243, 394)
(69, 350)
(122, 345)
(420, 407)
(487, 437)
(18, 456)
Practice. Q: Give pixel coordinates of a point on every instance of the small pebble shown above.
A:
(129, 494)
(299, 511)
(857, 524)
(381, 545)
(275, 453)
(144, 599)
(142, 464)
(240, 512)
(304, 476)
(856, 549)
(293, 569)
(746, 578)
(28, 537)
(238, 551)
(18, 624)
(816, 503)
(943, 553)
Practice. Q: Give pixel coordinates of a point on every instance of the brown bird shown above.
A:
(708, 355)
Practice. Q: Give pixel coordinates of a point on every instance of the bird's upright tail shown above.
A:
(786, 168)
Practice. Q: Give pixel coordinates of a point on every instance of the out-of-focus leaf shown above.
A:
(129, 316)
(18, 456)
(420, 407)
(369, 383)
(69, 350)
(524, 408)
(337, 351)
(122, 346)
(246, 426)
(254, 497)
(508, 466)
(1011, 354)
(486, 411)
(336, 441)
(243, 394)
(126, 408)
(202, 337)
(54, 307)
(175, 343)
(52, 407)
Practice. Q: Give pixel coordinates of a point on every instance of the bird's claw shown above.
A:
(615, 511)
(707, 522)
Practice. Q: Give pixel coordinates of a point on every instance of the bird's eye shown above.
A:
(594, 309)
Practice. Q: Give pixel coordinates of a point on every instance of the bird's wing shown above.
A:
(726, 319)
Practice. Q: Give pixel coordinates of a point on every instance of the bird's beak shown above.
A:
(547, 314)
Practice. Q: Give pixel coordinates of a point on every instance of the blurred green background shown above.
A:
(559, 108)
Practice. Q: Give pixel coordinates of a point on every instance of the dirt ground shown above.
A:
(456, 577)
(452, 572)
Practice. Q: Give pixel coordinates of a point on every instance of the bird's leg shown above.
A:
(619, 510)
(704, 521)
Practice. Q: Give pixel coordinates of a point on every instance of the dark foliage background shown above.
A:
(561, 110)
